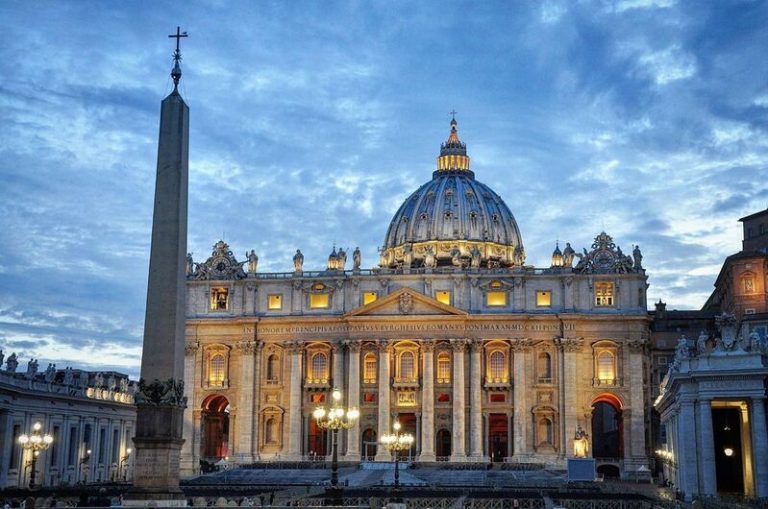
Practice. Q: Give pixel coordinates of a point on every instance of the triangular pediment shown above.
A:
(406, 302)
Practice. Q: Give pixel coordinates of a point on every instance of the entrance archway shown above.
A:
(443, 444)
(369, 444)
(408, 425)
(607, 427)
(729, 450)
(215, 428)
(318, 445)
(497, 436)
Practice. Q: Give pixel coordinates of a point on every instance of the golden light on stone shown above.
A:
(369, 297)
(275, 301)
(319, 300)
(443, 296)
(496, 299)
(543, 298)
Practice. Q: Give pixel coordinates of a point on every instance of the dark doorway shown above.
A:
(607, 430)
(215, 426)
(369, 444)
(497, 435)
(317, 440)
(408, 425)
(726, 425)
(443, 444)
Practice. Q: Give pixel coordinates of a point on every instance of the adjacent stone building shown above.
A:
(83, 411)
(480, 356)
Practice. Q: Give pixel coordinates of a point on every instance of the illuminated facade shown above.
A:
(481, 357)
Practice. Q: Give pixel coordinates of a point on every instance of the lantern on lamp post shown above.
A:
(395, 442)
(36, 441)
(334, 419)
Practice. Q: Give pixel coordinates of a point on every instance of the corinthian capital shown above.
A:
(191, 347)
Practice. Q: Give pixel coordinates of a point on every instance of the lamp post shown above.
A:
(334, 419)
(123, 463)
(395, 442)
(84, 465)
(36, 441)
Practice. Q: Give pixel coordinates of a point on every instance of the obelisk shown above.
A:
(160, 400)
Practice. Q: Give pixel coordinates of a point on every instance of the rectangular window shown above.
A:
(53, 455)
(443, 296)
(115, 445)
(319, 300)
(102, 444)
(496, 298)
(219, 299)
(603, 294)
(369, 297)
(274, 301)
(72, 453)
(544, 298)
(15, 446)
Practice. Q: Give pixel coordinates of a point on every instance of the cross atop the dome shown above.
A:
(178, 35)
(453, 114)
(176, 72)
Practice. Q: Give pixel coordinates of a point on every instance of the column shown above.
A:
(570, 351)
(384, 407)
(687, 462)
(353, 400)
(458, 447)
(245, 421)
(187, 457)
(475, 403)
(521, 409)
(428, 403)
(294, 401)
(637, 403)
(6, 440)
(706, 448)
(197, 440)
(759, 447)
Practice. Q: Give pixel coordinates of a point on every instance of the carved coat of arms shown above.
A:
(405, 303)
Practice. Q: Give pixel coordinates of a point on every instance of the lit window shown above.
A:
(498, 371)
(443, 368)
(318, 300)
(369, 297)
(544, 298)
(603, 294)
(606, 367)
(275, 301)
(319, 368)
(216, 370)
(407, 372)
(749, 284)
(443, 296)
(369, 368)
(219, 299)
(496, 298)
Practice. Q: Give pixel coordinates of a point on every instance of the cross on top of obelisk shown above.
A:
(176, 72)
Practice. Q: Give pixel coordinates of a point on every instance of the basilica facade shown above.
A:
(480, 356)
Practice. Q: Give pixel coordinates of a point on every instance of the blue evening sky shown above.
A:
(312, 121)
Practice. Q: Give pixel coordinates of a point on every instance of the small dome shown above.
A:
(451, 217)
(557, 256)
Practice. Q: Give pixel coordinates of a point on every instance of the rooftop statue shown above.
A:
(12, 363)
(298, 261)
(356, 259)
(253, 261)
(568, 255)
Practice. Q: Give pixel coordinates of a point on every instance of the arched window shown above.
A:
(498, 361)
(369, 368)
(544, 367)
(545, 433)
(319, 367)
(407, 371)
(273, 368)
(216, 370)
(443, 368)
(606, 367)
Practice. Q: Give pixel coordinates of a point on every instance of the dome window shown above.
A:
(424, 217)
(405, 219)
(448, 215)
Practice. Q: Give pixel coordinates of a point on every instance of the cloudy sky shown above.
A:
(312, 121)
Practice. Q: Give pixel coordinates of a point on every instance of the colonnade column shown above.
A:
(475, 402)
(687, 460)
(520, 411)
(428, 403)
(353, 434)
(187, 460)
(294, 401)
(759, 447)
(384, 407)
(245, 421)
(458, 448)
(706, 448)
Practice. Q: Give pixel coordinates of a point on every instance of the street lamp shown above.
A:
(85, 468)
(394, 443)
(35, 442)
(123, 462)
(334, 419)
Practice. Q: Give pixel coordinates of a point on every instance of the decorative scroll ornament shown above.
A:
(161, 393)
(221, 265)
(607, 258)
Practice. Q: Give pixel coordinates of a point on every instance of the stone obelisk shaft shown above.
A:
(160, 402)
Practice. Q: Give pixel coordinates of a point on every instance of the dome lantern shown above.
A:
(453, 153)
(557, 257)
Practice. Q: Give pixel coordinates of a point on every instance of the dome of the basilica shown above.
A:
(453, 220)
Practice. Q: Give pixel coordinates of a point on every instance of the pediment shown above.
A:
(406, 302)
